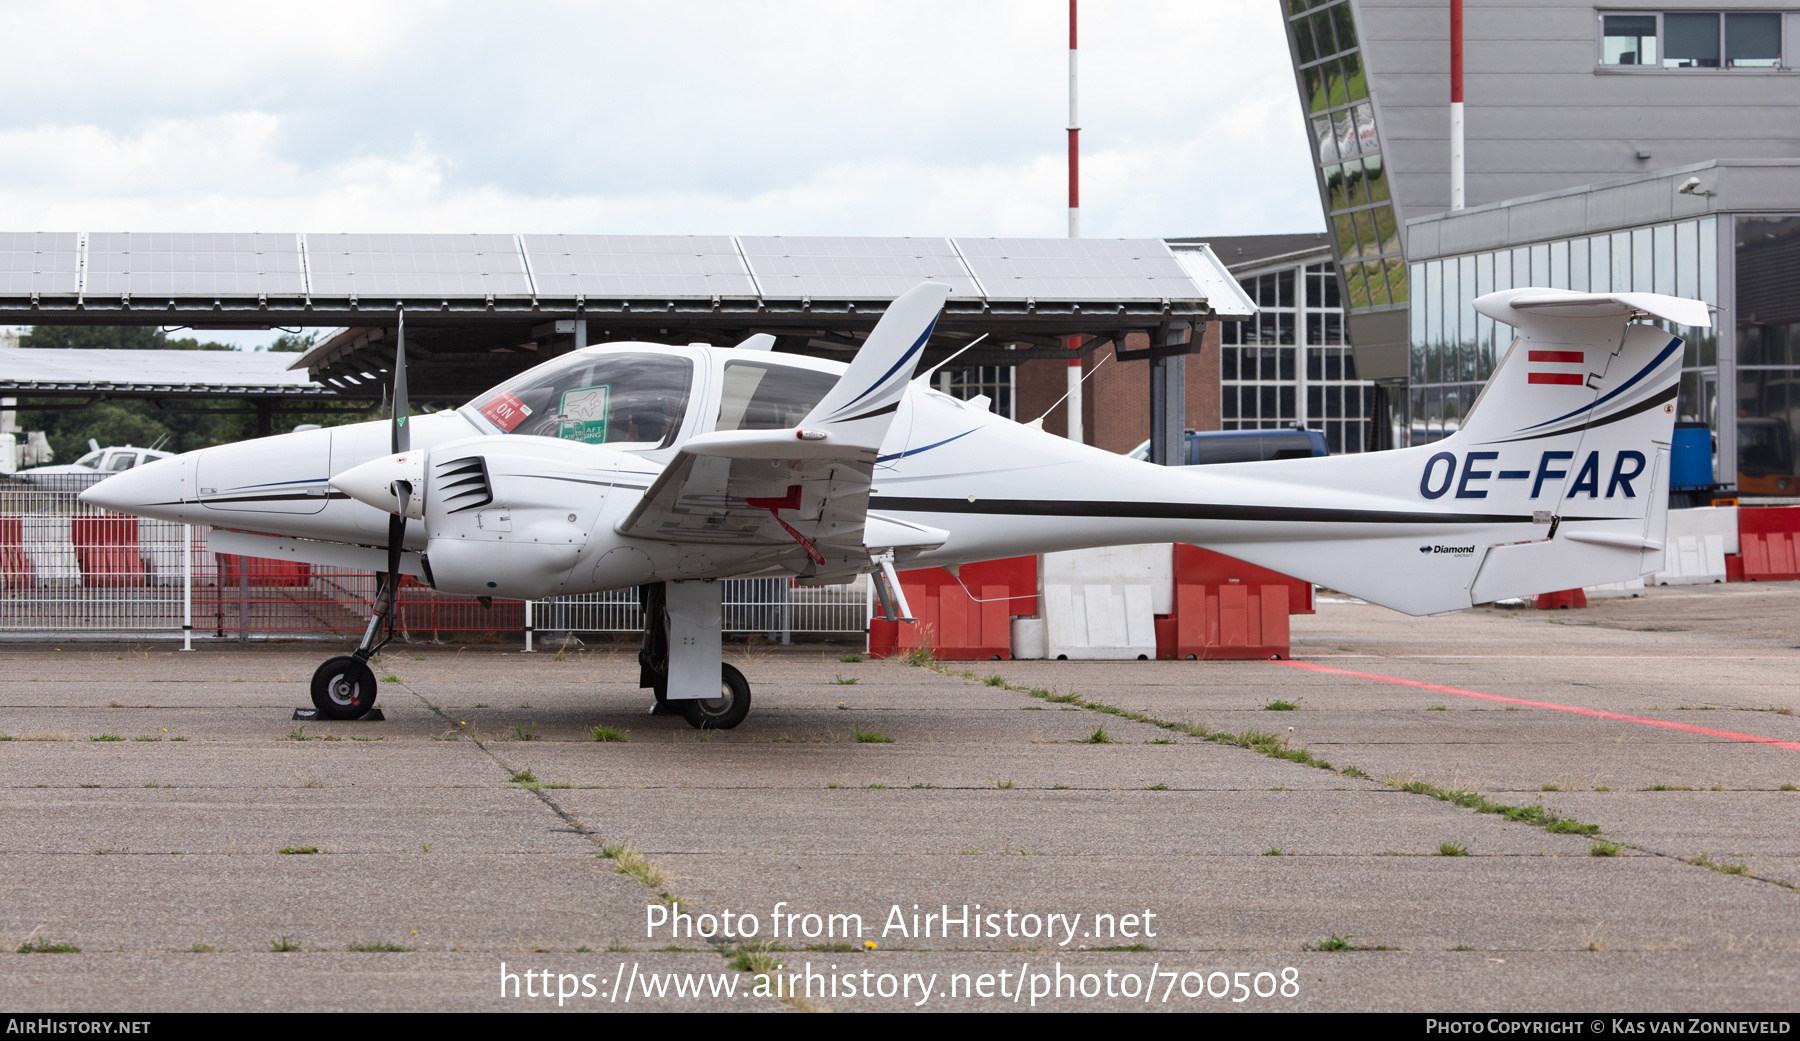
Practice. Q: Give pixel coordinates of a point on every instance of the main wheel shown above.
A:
(725, 711)
(344, 688)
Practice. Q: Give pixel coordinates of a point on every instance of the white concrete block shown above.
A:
(1151, 564)
(1028, 638)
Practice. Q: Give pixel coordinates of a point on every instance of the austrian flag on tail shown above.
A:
(1560, 376)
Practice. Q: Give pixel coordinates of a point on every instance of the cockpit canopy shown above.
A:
(636, 400)
(617, 398)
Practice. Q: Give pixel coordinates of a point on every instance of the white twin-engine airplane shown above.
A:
(670, 467)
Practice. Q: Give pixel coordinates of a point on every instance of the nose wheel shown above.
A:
(344, 688)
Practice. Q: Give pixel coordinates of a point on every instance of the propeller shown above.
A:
(402, 442)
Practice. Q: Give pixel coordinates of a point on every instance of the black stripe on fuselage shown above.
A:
(1186, 511)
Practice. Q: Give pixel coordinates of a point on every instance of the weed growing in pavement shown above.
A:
(1281, 706)
(1156, 787)
(39, 945)
(526, 733)
(379, 947)
(1003, 784)
(104, 737)
(840, 681)
(298, 734)
(203, 948)
(1274, 851)
(833, 784)
(852, 657)
(283, 945)
(1098, 737)
(994, 681)
(1591, 940)
(1787, 788)
(299, 850)
(1669, 788)
(1438, 708)
(1130, 948)
(523, 777)
(606, 733)
(1722, 867)
(877, 784)
(1159, 741)
(1338, 943)
(1452, 849)
(631, 863)
(924, 786)
(1603, 848)
(1351, 771)
(1059, 787)
(869, 737)
(390, 678)
(758, 957)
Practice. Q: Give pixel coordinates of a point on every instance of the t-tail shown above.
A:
(1558, 476)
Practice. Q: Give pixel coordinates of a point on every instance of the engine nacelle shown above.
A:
(510, 516)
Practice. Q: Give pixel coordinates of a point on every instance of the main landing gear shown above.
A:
(344, 687)
(681, 649)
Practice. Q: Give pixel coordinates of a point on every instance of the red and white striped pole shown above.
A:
(1074, 399)
(1456, 104)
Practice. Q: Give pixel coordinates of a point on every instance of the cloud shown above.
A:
(789, 118)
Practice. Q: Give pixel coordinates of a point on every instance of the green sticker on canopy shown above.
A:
(582, 415)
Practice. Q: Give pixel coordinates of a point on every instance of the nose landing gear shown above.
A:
(344, 687)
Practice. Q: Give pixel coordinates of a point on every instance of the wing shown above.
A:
(807, 487)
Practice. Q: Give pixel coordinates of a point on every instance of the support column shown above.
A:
(1168, 410)
(1726, 322)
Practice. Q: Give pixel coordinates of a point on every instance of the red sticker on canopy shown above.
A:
(506, 411)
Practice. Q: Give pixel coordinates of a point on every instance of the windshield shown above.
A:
(608, 398)
(760, 395)
(91, 460)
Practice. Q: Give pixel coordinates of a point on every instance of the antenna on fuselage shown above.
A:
(1038, 423)
(924, 378)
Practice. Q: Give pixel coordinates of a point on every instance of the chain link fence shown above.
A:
(70, 569)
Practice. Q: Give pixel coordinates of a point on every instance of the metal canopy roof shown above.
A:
(480, 307)
(150, 373)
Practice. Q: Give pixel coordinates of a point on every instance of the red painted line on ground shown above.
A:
(1597, 713)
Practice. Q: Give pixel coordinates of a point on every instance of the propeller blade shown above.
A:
(396, 538)
(402, 435)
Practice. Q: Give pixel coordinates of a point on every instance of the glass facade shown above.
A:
(1455, 350)
(1358, 202)
(1768, 354)
(1289, 365)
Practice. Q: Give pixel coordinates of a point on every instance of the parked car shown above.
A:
(1245, 446)
(97, 465)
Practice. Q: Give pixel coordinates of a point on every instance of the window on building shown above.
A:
(1692, 40)
(1288, 366)
(994, 381)
(1628, 39)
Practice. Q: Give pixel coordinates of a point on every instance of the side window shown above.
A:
(1628, 39)
(121, 461)
(766, 396)
(636, 399)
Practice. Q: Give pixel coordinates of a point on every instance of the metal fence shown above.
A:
(71, 569)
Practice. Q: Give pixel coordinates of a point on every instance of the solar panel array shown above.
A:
(39, 262)
(853, 268)
(637, 266)
(166, 264)
(415, 266)
(1077, 269)
(658, 268)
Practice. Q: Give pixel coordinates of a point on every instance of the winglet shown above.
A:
(858, 410)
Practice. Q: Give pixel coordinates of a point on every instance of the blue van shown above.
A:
(1245, 446)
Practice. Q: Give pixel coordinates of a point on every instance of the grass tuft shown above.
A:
(994, 681)
(1452, 849)
(1098, 737)
(605, 733)
(1333, 943)
(1281, 706)
(1603, 848)
(840, 681)
(379, 947)
(1156, 787)
(39, 945)
(1003, 784)
(283, 945)
(852, 657)
(300, 850)
(524, 777)
(104, 737)
(1274, 851)
(1669, 788)
(525, 733)
(631, 863)
(869, 737)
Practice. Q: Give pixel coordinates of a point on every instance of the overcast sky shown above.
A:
(832, 118)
